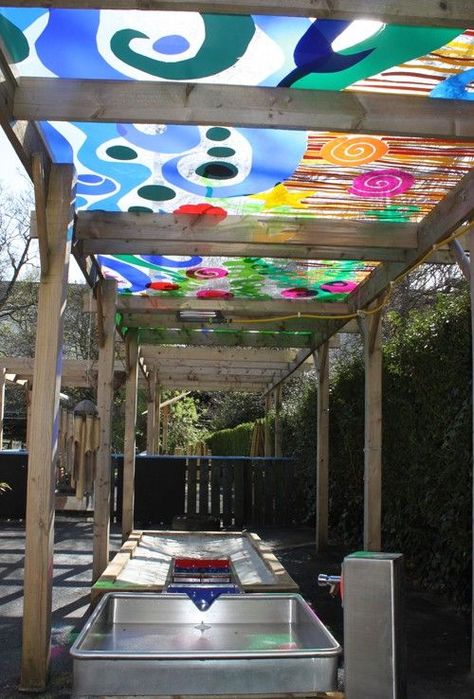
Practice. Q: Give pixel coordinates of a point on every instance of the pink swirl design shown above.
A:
(298, 292)
(382, 183)
(207, 273)
(214, 294)
(339, 287)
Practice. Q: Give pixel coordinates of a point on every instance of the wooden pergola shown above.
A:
(246, 345)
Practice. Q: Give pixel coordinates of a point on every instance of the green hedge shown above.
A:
(233, 442)
(427, 450)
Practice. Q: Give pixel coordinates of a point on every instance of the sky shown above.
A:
(14, 179)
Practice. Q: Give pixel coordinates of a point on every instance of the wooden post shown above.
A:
(2, 404)
(268, 440)
(151, 414)
(278, 449)
(371, 328)
(44, 432)
(158, 419)
(321, 360)
(471, 279)
(166, 418)
(28, 393)
(105, 378)
(130, 432)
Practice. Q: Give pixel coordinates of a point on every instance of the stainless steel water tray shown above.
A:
(143, 644)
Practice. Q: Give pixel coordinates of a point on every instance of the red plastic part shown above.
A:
(202, 563)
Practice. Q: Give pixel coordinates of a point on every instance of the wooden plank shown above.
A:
(151, 414)
(43, 443)
(215, 489)
(213, 386)
(239, 494)
(39, 186)
(285, 582)
(227, 493)
(471, 285)
(129, 444)
(455, 13)
(203, 466)
(153, 228)
(2, 404)
(244, 307)
(102, 487)
(158, 419)
(192, 487)
(217, 354)
(321, 360)
(371, 327)
(277, 428)
(223, 339)
(452, 211)
(152, 102)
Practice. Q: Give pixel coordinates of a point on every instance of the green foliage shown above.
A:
(232, 442)
(224, 410)
(427, 450)
(184, 425)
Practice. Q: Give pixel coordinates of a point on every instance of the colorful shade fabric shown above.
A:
(228, 171)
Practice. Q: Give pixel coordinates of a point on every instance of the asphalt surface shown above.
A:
(438, 638)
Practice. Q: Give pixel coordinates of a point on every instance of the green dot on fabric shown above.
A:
(121, 153)
(217, 133)
(156, 192)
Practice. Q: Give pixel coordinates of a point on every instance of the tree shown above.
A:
(17, 254)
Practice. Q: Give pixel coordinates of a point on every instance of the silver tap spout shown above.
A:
(328, 580)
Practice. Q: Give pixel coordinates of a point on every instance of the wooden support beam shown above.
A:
(158, 419)
(166, 420)
(321, 361)
(151, 229)
(242, 307)
(2, 404)
(151, 102)
(129, 443)
(102, 486)
(267, 426)
(208, 385)
(224, 339)
(455, 13)
(43, 445)
(39, 185)
(278, 435)
(211, 355)
(371, 329)
(151, 414)
(471, 284)
(451, 212)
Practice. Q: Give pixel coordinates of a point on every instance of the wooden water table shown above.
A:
(144, 561)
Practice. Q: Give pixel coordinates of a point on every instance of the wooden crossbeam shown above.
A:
(242, 307)
(224, 339)
(215, 354)
(455, 13)
(187, 385)
(151, 102)
(115, 233)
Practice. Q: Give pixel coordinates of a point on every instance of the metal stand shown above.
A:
(374, 641)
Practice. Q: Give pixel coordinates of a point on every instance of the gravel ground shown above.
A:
(438, 638)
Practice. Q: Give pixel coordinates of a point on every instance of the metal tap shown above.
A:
(331, 581)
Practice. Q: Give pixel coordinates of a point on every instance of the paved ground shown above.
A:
(438, 639)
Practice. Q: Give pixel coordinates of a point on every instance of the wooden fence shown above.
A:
(240, 490)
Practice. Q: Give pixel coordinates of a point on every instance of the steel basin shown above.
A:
(151, 644)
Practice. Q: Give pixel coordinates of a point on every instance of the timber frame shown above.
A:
(171, 353)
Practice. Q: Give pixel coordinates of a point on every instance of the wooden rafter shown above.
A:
(224, 339)
(151, 102)
(114, 233)
(455, 13)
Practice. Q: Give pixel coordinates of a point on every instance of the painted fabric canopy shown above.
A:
(221, 171)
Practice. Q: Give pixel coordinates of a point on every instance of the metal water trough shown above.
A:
(151, 644)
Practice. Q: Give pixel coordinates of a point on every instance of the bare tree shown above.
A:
(17, 255)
